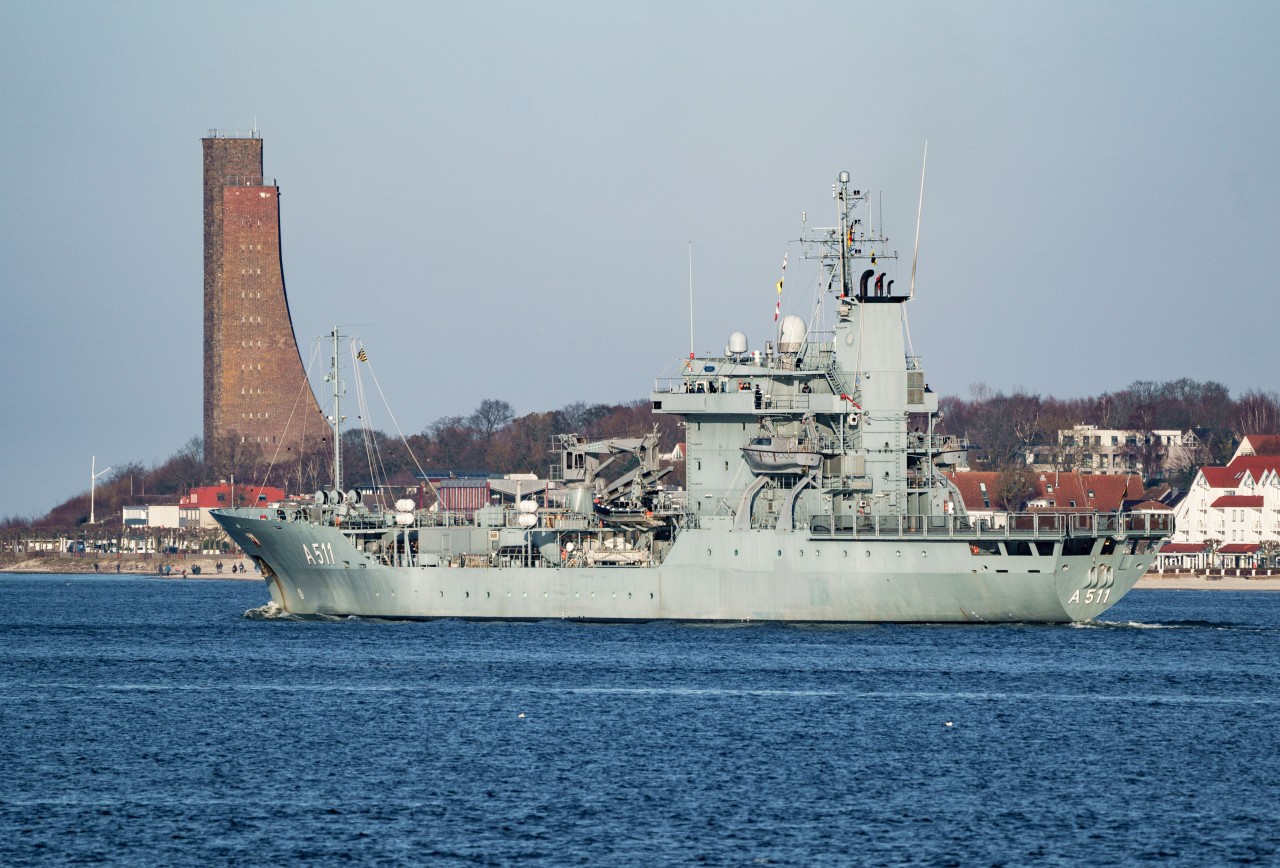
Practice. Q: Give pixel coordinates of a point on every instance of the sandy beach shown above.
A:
(133, 565)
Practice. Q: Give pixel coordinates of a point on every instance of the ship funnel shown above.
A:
(862, 282)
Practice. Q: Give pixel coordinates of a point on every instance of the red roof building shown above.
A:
(1053, 492)
(215, 496)
(1258, 444)
(1246, 501)
(1234, 510)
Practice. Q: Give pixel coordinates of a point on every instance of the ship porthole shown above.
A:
(801, 552)
(924, 554)
(867, 552)
(708, 552)
(735, 553)
(846, 553)
(779, 552)
(898, 553)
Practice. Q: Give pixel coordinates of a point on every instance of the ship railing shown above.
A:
(921, 442)
(1020, 525)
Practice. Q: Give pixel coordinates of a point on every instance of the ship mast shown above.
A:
(337, 418)
(840, 194)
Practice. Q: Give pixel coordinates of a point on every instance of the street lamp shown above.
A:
(93, 483)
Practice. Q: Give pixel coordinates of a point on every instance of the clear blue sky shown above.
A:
(500, 196)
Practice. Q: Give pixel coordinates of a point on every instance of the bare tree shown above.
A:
(1258, 412)
(490, 417)
(1014, 487)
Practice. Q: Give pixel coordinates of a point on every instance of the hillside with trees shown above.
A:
(491, 439)
(1003, 428)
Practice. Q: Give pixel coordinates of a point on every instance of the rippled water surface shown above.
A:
(145, 721)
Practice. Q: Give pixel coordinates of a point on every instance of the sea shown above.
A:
(146, 721)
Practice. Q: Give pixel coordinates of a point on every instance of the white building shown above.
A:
(1112, 451)
(151, 515)
(1230, 517)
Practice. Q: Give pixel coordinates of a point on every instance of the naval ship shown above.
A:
(815, 491)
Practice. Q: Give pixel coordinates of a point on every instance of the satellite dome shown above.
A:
(793, 333)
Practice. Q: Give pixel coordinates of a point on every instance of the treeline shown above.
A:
(491, 439)
(1005, 428)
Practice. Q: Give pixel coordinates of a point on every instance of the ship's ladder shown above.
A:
(835, 378)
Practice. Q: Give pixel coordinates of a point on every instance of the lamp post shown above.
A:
(93, 483)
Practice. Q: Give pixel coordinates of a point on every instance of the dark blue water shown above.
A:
(151, 722)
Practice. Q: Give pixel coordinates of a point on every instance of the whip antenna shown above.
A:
(691, 351)
(919, 211)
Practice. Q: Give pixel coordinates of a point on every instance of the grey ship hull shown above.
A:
(716, 574)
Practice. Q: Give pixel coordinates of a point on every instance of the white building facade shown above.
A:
(1230, 517)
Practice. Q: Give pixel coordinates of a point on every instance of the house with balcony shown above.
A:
(1088, 449)
(1230, 517)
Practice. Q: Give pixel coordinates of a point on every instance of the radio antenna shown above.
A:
(691, 351)
(919, 213)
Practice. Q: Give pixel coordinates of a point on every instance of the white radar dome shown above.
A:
(737, 344)
(792, 335)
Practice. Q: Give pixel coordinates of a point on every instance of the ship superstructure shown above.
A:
(815, 491)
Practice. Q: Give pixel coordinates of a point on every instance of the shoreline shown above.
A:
(1197, 582)
(208, 570)
(133, 566)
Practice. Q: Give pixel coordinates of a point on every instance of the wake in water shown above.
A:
(1167, 625)
(268, 612)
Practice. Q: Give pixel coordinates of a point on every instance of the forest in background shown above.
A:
(492, 439)
(1002, 428)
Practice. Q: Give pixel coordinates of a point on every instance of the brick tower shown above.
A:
(255, 386)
